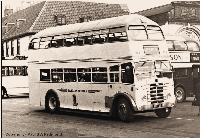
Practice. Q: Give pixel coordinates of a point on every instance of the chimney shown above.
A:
(9, 26)
(8, 12)
(20, 22)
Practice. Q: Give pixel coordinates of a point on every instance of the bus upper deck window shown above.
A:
(69, 42)
(192, 46)
(154, 32)
(137, 32)
(87, 40)
(121, 36)
(180, 45)
(100, 38)
(170, 45)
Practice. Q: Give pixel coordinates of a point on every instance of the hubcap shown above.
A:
(122, 109)
(52, 103)
(179, 95)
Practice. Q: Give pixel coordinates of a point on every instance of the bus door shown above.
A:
(196, 82)
(127, 77)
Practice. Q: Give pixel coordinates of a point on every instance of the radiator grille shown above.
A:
(156, 93)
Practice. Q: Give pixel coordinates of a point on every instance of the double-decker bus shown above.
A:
(118, 65)
(185, 59)
(14, 77)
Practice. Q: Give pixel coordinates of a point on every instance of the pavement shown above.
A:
(17, 93)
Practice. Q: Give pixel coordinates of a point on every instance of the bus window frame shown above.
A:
(146, 32)
(177, 73)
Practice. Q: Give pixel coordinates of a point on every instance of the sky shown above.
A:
(133, 5)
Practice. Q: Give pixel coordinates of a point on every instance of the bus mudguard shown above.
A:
(111, 102)
(51, 91)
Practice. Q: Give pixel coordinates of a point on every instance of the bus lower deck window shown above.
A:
(44, 74)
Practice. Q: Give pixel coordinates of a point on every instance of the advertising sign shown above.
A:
(180, 56)
(195, 57)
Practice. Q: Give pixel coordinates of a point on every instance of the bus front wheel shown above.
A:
(180, 94)
(52, 103)
(124, 110)
(163, 113)
(3, 92)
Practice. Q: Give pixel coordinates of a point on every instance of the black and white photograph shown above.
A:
(100, 69)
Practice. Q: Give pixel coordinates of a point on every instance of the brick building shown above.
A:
(178, 17)
(17, 28)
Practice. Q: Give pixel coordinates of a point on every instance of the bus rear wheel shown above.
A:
(163, 113)
(52, 103)
(180, 94)
(124, 110)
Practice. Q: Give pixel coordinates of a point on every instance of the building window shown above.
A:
(2, 52)
(7, 49)
(12, 48)
(60, 19)
(4, 71)
(18, 47)
(85, 19)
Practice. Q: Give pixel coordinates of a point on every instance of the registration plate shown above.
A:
(151, 50)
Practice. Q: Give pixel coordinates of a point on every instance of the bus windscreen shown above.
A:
(140, 32)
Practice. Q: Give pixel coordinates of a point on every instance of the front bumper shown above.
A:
(158, 106)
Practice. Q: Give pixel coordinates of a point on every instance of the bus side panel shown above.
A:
(70, 89)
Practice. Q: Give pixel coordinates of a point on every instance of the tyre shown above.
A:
(3, 92)
(180, 94)
(124, 110)
(52, 103)
(163, 113)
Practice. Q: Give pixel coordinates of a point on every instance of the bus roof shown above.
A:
(126, 20)
(174, 38)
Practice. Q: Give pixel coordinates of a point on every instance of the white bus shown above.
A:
(14, 77)
(118, 65)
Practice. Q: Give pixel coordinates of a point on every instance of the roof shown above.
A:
(156, 10)
(41, 16)
(174, 38)
(74, 10)
(125, 20)
(30, 14)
